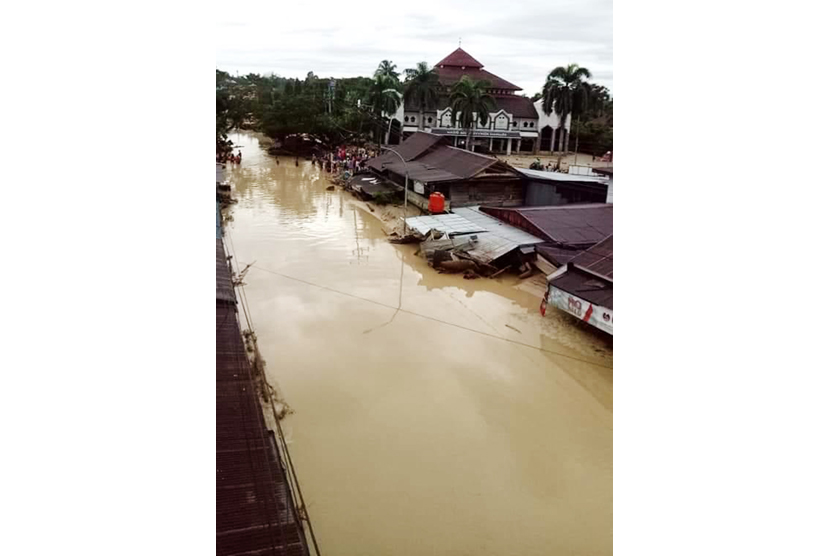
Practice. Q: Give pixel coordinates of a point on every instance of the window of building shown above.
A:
(531, 124)
(406, 119)
(524, 124)
(429, 120)
(515, 124)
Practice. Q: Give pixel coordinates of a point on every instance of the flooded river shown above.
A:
(463, 423)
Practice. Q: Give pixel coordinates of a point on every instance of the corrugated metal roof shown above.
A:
(561, 177)
(224, 286)
(587, 286)
(218, 222)
(459, 162)
(255, 511)
(565, 225)
(497, 227)
(429, 161)
(415, 145)
(599, 258)
(452, 224)
(556, 254)
(495, 238)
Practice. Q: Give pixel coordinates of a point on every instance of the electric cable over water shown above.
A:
(432, 318)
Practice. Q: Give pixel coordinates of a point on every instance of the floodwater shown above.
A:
(464, 423)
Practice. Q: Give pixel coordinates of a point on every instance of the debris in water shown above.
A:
(330, 188)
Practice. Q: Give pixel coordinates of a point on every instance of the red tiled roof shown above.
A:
(520, 107)
(459, 57)
(447, 76)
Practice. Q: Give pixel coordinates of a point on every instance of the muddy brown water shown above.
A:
(419, 431)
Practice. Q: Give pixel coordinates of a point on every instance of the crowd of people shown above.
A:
(344, 159)
(229, 157)
(549, 167)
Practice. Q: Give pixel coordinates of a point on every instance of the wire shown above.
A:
(433, 318)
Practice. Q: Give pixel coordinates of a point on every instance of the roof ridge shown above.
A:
(493, 158)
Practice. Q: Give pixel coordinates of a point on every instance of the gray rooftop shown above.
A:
(560, 176)
(495, 238)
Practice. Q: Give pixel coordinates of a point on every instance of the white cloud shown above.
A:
(520, 41)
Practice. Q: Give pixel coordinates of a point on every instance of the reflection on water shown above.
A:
(417, 429)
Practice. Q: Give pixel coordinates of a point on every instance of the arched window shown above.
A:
(524, 124)
(515, 123)
(429, 120)
(406, 119)
(531, 124)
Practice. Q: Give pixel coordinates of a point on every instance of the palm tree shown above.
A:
(421, 87)
(470, 102)
(565, 92)
(387, 68)
(383, 98)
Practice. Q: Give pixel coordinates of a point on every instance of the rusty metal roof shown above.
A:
(599, 258)
(575, 225)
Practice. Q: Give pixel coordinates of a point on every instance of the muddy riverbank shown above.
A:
(431, 413)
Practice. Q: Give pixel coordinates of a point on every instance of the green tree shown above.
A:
(387, 68)
(565, 92)
(421, 87)
(383, 98)
(470, 102)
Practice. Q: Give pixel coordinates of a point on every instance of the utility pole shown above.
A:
(405, 186)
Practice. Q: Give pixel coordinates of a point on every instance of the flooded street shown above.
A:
(432, 414)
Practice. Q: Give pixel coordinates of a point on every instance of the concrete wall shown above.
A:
(552, 120)
(545, 193)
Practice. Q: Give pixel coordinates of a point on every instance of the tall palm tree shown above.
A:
(565, 92)
(421, 87)
(470, 102)
(383, 98)
(388, 69)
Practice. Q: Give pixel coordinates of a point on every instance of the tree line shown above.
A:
(357, 108)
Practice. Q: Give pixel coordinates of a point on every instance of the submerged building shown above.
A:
(464, 178)
(517, 124)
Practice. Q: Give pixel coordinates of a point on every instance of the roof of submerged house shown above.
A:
(585, 284)
(565, 225)
(599, 258)
(493, 238)
(429, 160)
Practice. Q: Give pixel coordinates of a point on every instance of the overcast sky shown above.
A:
(520, 41)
